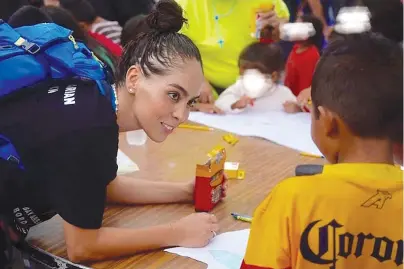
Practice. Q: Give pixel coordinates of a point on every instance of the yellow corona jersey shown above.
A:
(348, 217)
(221, 29)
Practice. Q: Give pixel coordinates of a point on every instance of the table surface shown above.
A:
(265, 164)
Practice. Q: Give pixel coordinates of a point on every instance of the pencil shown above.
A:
(306, 154)
(195, 127)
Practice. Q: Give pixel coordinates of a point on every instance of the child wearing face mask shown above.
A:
(257, 87)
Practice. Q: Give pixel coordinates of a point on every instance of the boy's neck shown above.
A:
(302, 47)
(361, 150)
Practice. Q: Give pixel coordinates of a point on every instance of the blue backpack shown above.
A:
(31, 54)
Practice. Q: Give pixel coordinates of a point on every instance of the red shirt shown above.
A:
(300, 68)
(114, 48)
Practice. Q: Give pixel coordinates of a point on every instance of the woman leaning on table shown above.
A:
(70, 154)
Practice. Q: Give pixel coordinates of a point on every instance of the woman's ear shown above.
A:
(132, 77)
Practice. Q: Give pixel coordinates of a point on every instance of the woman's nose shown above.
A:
(181, 113)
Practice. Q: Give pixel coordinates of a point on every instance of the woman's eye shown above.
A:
(174, 96)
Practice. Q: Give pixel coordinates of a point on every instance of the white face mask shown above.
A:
(256, 84)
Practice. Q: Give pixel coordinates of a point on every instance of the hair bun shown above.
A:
(166, 17)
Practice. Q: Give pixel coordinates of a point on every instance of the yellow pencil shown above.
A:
(306, 154)
(195, 127)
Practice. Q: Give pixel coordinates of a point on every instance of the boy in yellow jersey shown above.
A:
(350, 216)
(221, 29)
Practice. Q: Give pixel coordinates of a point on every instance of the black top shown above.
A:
(67, 137)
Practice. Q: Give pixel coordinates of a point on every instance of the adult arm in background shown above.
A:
(81, 171)
(317, 9)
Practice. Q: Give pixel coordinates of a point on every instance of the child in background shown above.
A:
(303, 58)
(260, 67)
(350, 215)
(269, 34)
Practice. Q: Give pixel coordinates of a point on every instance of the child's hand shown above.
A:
(291, 107)
(304, 96)
(207, 108)
(243, 102)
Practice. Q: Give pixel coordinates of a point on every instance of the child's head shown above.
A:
(133, 27)
(357, 94)
(82, 10)
(318, 38)
(266, 58)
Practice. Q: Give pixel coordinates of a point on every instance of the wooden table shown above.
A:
(265, 164)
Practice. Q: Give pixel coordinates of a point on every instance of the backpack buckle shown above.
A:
(27, 46)
(30, 47)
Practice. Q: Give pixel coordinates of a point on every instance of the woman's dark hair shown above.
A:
(134, 27)
(162, 47)
(65, 19)
(267, 58)
(318, 39)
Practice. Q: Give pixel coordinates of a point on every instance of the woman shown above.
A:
(66, 134)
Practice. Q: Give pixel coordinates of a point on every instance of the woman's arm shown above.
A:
(128, 190)
(85, 245)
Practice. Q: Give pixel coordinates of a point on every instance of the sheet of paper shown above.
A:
(289, 130)
(225, 251)
(125, 164)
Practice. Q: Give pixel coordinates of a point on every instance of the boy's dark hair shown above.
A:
(133, 27)
(28, 15)
(360, 78)
(267, 58)
(82, 10)
(318, 39)
(386, 17)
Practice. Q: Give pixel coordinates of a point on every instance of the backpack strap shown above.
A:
(8, 152)
(9, 35)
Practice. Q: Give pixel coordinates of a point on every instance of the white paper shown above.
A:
(289, 130)
(125, 164)
(225, 251)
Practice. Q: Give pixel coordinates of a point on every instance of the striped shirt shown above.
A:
(110, 29)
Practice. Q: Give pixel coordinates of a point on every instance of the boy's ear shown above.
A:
(330, 121)
(275, 76)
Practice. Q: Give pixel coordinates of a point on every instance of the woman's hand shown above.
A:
(195, 230)
(191, 186)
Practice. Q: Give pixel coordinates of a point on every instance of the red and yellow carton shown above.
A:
(210, 180)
